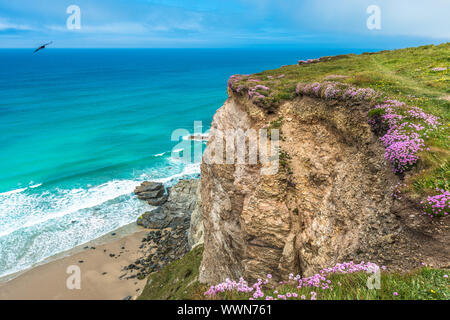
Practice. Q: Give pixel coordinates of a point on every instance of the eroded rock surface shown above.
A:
(196, 230)
(170, 223)
(177, 208)
(152, 192)
(330, 201)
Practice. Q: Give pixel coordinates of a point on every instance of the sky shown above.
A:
(223, 23)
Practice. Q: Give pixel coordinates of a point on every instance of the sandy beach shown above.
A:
(100, 262)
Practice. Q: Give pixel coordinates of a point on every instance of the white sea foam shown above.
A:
(3, 194)
(159, 154)
(36, 225)
(28, 246)
(32, 186)
(47, 206)
(35, 186)
(188, 171)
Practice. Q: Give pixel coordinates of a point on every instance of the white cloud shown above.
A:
(116, 28)
(6, 25)
(398, 18)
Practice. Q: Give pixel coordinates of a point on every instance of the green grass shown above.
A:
(423, 284)
(405, 75)
(179, 280)
(176, 281)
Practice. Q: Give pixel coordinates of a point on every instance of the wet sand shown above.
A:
(99, 272)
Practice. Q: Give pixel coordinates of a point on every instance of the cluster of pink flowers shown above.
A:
(233, 79)
(229, 285)
(253, 92)
(439, 69)
(300, 62)
(403, 139)
(361, 93)
(316, 282)
(401, 148)
(333, 90)
(429, 119)
(438, 205)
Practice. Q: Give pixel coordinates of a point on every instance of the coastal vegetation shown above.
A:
(409, 92)
(406, 98)
(347, 281)
(178, 280)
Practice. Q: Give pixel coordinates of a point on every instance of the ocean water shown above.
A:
(81, 128)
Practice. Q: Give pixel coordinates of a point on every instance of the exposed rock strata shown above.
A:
(168, 238)
(331, 201)
(177, 206)
(196, 230)
(152, 192)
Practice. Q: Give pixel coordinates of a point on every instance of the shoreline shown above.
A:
(114, 266)
(100, 272)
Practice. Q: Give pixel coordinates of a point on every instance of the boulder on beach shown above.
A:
(153, 219)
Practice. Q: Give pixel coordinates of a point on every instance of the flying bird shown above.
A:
(42, 47)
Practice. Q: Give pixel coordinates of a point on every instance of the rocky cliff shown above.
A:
(168, 225)
(330, 201)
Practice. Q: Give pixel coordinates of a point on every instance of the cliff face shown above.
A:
(330, 201)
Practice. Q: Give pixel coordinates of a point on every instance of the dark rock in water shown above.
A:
(148, 186)
(152, 192)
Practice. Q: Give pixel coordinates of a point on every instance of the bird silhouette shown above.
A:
(42, 47)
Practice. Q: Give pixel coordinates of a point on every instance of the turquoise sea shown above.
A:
(81, 128)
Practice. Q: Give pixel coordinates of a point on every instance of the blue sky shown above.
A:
(223, 23)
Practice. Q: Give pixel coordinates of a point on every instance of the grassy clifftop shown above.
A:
(417, 77)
